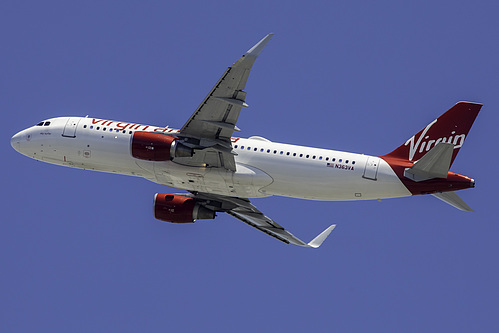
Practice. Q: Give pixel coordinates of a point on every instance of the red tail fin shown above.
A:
(451, 127)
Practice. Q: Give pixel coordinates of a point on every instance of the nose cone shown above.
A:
(20, 141)
(15, 141)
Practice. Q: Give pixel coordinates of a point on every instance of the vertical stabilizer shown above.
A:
(451, 127)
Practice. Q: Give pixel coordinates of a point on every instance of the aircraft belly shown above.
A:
(318, 181)
(246, 182)
(188, 178)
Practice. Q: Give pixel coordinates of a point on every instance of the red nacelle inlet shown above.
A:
(152, 146)
(179, 209)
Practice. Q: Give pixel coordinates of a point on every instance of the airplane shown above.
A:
(221, 172)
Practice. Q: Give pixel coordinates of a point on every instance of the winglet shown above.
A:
(317, 241)
(255, 50)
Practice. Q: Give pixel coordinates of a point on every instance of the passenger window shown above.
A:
(84, 126)
(353, 162)
(235, 146)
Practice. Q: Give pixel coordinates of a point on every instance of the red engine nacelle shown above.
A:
(179, 209)
(157, 147)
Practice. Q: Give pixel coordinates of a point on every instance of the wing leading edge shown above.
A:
(210, 128)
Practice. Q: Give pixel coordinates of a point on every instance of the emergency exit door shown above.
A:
(371, 170)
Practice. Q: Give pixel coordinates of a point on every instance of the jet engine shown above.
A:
(179, 209)
(157, 147)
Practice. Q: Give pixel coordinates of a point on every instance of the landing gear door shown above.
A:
(70, 128)
(371, 170)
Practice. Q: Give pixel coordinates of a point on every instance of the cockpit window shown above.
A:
(47, 123)
(40, 124)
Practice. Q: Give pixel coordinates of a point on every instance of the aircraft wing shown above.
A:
(210, 128)
(243, 210)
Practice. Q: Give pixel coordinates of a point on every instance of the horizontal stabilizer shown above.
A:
(434, 164)
(454, 200)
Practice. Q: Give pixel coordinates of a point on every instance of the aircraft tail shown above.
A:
(452, 127)
(422, 163)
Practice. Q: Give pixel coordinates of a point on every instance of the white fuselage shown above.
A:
(263, 168)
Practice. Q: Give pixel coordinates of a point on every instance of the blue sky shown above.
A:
(80, 250)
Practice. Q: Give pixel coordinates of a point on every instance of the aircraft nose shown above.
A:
(15, 141)
(19, 140)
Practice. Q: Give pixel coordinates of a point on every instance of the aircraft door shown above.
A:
(70, 128)
(371, 170)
